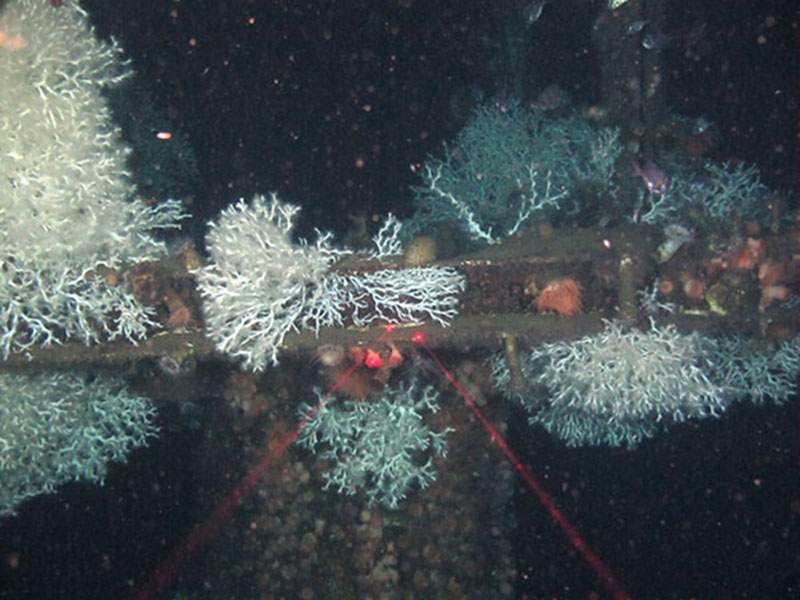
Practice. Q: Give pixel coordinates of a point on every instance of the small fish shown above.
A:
(635, 27)
(532, 12)
(655, 178)
(701, 125)
(655, 40)
(615, 4)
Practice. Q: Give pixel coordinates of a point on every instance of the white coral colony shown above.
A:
(66, 202)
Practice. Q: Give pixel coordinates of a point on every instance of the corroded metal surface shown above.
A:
(609, 265)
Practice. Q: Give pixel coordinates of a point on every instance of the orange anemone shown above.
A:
(562, 296)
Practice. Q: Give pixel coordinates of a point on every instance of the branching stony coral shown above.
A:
(768, 374)
(60, 428)
(718, 192)
(67, 215)
(509, 166)
(259, 284)
(619, 386)
(382, 447)
(67, 207)
(730, 189)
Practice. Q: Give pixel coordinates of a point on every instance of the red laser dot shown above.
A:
(419, 337)
(373, 360)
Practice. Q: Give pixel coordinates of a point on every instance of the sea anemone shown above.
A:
(693, 288)
(757, 249)
(741, 258)
(770, 272)
(665, 286)
(770, 293)
(562, 296)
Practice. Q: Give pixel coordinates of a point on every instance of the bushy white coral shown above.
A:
(60, 428)
(759, 375)
(259, 284)
(392, 296)
(66, 207)
(382, 447)
(619, 386)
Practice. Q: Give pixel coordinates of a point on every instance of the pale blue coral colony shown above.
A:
(383, 447)
(60, 428)
(506, 169)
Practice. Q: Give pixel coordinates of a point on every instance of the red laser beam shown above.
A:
(600, 568)
(167, 571)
